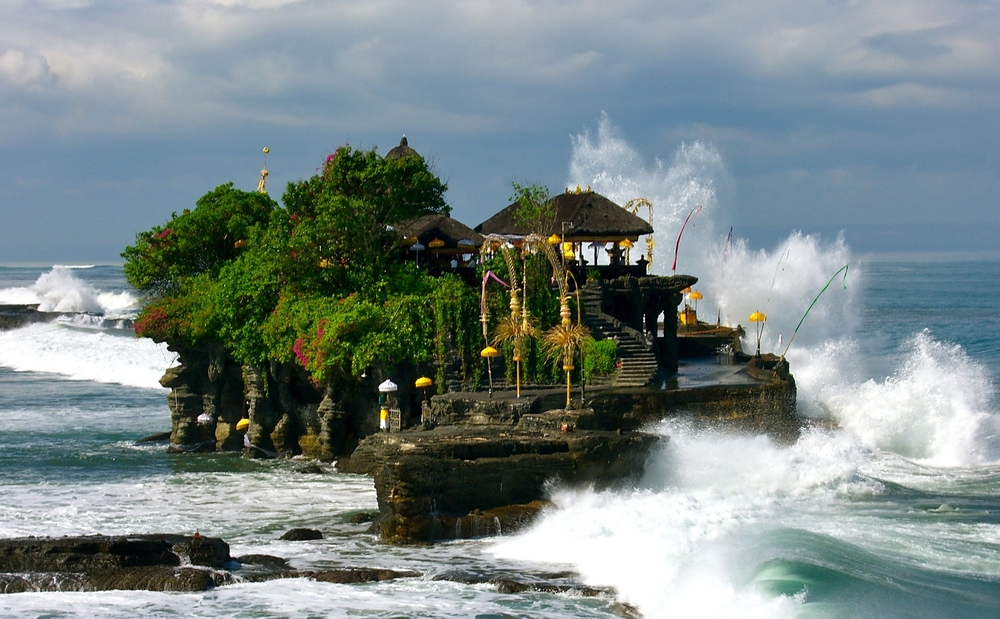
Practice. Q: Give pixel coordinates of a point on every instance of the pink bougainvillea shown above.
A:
(164, 234)
(153, 321)
(299, 354)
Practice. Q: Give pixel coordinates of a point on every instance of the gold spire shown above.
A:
(262, 185)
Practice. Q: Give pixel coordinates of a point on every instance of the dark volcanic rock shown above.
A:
(16, 316)
(363, 517)
(301, 535)
(472, 481)
(352, 575)
(97, 563)
(149, 562)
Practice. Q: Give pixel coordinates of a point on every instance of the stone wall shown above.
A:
(288, 414)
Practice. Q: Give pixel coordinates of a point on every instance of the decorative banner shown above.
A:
(844, 269)
(775, 278)
(482, 297)
(694, 212)
(727, 247)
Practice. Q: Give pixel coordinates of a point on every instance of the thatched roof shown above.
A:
(403, 150)
(594, 218)
(429, 227)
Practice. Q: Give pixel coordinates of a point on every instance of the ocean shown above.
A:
(887, 506)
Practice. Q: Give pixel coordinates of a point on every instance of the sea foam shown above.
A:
(60, 290)
(689, 541)
(929, 401)
(85, 354)
(935, 408)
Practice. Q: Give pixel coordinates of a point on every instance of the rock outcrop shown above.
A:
(482, 462)
(149, 562)
(210, 393)
(456, 482)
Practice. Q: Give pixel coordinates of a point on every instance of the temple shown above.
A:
(474, 459)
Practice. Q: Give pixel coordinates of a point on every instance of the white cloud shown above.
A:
(25, 69)
(142, 58)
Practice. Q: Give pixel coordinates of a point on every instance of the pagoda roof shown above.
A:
(403, 150)
(429, 227)
(594, 218)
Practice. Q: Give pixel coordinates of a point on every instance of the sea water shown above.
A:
(888, 508)
(888, 505)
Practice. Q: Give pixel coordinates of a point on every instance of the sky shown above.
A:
(875, 119)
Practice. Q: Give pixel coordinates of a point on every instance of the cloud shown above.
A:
(188, 61)
(498, 87)
(25, 70)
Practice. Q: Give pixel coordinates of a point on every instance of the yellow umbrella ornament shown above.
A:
(758, 319)
(488, 353)
(425, 408)
(695, 296)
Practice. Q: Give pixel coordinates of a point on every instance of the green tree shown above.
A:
(393, 190)
(320, 282)
(194, 242)
(534, 212)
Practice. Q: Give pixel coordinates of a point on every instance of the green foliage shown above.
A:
(534, 212)
(321, 282)
(456, 330)
(195, 242)
(392, 190)
(335, 338)
(183, 316)
(599, 358)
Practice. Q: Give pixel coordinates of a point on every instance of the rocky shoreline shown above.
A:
(178, 563)
(462, 482)
(17, 316)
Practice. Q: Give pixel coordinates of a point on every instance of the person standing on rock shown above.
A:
(383, 413)
(383, 419)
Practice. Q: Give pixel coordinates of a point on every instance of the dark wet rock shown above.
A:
(313, 468)
(151, 563)
(268, 561)
(148, 578)
(363, 517)
(301, 535)
(17, 316)
(260, 568)
(353, 575)
(98, 563)
(506, 585)
(159, 437)
(469, 481)
(542, 583)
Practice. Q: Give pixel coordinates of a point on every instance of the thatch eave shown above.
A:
(593, 218)
(429, 227)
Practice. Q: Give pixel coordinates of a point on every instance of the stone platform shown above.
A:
(482, 463)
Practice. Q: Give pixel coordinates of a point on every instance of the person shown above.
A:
(425, 412)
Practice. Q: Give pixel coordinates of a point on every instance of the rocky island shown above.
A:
(463, 369)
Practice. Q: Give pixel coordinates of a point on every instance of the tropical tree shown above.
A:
(196, 241)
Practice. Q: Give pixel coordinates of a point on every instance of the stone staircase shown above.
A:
(638, 363)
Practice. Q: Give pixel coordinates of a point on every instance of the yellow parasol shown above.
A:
(759, 319)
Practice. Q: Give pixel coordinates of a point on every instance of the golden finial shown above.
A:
(262, 185)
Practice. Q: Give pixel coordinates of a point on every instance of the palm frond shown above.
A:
(512, 329)
(563, 339)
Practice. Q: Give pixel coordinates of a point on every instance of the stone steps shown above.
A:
(638, 363)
